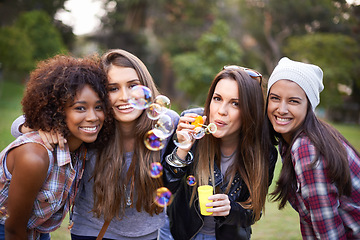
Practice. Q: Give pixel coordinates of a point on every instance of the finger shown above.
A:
(54, 137)
(45, 140)
(62, 141)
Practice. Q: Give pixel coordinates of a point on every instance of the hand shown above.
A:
(52, 138)
(221, 205)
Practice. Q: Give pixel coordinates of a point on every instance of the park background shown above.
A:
(185, 43)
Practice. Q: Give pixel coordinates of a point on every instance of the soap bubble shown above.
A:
(163, 197)
(154, 111)
(163, 101)
(164, 126)
(140, 97)
(156, 170)
(182, 139)
(153, 142)
(190, 180)
(198, 132)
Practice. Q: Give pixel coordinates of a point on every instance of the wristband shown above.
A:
(174, 160)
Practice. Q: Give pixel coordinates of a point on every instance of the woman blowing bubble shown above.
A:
(38, 186)
(320, 174)
(234, 160)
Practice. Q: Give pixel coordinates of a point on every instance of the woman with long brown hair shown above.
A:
(320, 173)
(234, 160)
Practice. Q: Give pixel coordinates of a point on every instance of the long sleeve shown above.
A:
(15, 126)
(316, 198)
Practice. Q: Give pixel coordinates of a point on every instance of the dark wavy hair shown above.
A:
(54, 84)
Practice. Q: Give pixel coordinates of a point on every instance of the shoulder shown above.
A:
(302, 145)
(199, 111)
(30, 157)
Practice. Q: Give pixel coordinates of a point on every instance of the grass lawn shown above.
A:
(274, 224)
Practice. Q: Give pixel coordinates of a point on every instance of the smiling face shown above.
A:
(287, 108)
(84, 117)
(121, 81)
(225, 111)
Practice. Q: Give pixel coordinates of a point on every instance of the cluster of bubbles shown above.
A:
(140, 98)
(184, 138)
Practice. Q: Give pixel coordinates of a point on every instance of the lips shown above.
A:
(220, 123)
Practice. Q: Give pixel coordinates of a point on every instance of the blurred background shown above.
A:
(184, 43)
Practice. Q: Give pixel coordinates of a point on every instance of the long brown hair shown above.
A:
(328, 142)
(110, 173)
(252, 150)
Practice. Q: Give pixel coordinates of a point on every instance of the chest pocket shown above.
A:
(47, 202)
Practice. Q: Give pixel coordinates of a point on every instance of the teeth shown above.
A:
(282, 119)
(89, 128)
(124, 107)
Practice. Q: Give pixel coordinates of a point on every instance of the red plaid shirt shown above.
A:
(53, 201)
(323, 214)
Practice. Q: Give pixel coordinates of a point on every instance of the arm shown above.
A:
(320, 215)
(50, 139)
(28, 165)
(176, 161)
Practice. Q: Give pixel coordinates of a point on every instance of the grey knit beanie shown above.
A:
(308, 76)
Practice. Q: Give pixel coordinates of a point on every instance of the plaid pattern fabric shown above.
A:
(53, 201)
(323, 214)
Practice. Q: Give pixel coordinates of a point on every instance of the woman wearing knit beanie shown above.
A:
(320, 176)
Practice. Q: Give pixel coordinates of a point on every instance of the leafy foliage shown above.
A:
(45, 38)
(16, 50)
(196, 69)
(338, 56)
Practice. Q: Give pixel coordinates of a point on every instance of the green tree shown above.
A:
(16, 51)
(338, 56)
(271, 22)
(45, 38)
(196, 69)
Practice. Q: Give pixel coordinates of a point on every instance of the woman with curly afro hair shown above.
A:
(38, 186)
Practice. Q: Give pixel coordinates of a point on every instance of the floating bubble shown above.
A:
(182, 139)
(140, 97)
(164, 102)
(164, 126)
(153, 142)
(156, 170)
(211, 128)
(154, 111)
(190, 180)
(198, 132)
(163, 197)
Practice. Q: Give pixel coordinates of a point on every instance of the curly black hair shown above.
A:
(54, 84)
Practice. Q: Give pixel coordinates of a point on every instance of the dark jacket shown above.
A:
(186, 221)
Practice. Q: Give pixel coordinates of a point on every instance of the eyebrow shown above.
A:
(298, 98)
(236, 99)
(130, 81)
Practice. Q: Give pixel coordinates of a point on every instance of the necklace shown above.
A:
(227, 158)
(128, 197)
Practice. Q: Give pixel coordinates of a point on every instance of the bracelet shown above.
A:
(174, 160)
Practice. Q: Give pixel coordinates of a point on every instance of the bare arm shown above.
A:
(28, 165)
